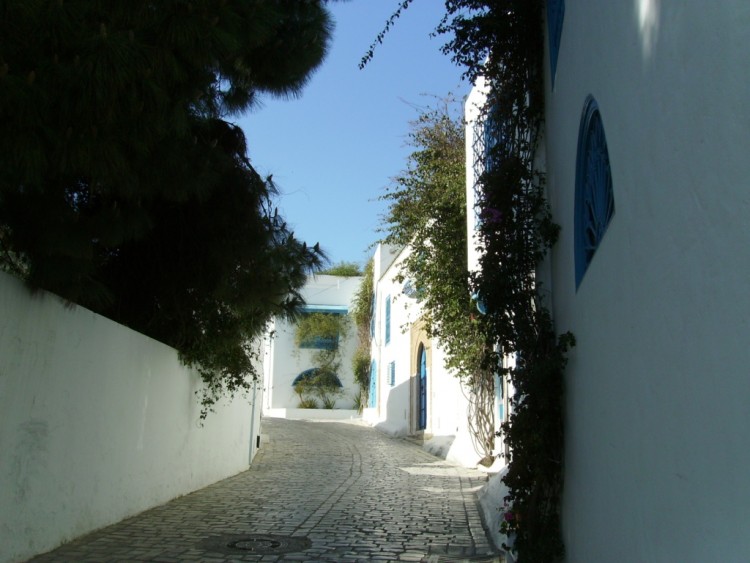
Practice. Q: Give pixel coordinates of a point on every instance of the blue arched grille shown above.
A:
(595, 202)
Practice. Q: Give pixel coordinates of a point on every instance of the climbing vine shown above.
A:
(362, 313)
(503, 43)
(427, 213)
(321, 332)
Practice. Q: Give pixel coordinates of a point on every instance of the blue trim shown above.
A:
(332, 309)
(594, 196)
(387, 319)
(320, 343)
(479, 302)
(555, 17)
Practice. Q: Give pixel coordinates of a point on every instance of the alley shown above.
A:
(317, 491)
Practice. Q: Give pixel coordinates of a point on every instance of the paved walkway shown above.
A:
(317, 491)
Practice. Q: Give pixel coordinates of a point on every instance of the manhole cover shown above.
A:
(258, 544)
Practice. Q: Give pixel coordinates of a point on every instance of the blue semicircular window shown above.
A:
(313, 373)
(595, 201)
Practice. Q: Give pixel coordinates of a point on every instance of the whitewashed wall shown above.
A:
(394, 401)
(285, 361)
(658, 393)
(97, 423)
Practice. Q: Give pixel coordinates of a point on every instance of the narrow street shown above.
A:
(317, 491)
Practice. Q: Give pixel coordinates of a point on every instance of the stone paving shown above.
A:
(317, 491)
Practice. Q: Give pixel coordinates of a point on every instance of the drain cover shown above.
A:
(257, 544)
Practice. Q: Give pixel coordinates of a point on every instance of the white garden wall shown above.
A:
(658, 430)
(97, 423)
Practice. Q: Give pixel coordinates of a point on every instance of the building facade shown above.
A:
(646, 127)
(285, 360)
(411, 392)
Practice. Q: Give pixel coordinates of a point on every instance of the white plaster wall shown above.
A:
(286, 361)
(448, 406)
(97, 422)
(394, 400)
(658, 428)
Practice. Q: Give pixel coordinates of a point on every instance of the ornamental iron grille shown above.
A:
(501, 147)
(320, 374)
(594, 197)
(555, 16)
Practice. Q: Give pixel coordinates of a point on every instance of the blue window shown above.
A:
(392, 374)
(373, 398)
(387, 319)
(594, 198)
(328, 342)
(555, 16)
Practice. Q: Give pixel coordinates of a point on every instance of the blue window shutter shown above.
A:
(373, 384)
(392, 374)
(387, 319)
(555, 17)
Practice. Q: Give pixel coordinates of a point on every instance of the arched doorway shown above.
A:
(422, 388)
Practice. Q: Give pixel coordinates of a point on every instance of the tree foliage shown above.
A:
(124, 188)
(362, 312)
(427, 212)
(343, 269)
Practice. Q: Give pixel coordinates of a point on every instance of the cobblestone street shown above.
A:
(317, 491)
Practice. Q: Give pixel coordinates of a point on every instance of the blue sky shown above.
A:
(333, 151)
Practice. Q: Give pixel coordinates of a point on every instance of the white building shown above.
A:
(411, 391)
(284, 360)
(645, 138)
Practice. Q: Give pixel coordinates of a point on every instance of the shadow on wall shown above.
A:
(397, 412)
(401, 416)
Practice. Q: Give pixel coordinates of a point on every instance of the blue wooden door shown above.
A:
(422, 389)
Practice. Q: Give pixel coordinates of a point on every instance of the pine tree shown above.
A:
(123, 186)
